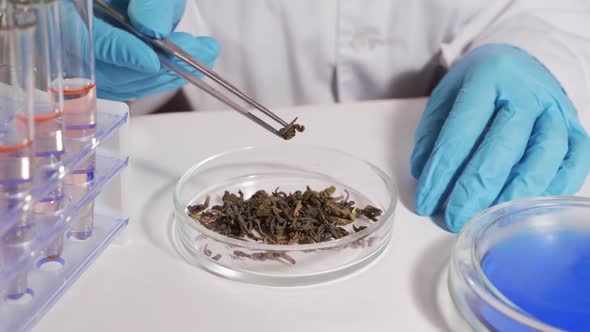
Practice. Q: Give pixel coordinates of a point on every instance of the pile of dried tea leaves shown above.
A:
(281, 218)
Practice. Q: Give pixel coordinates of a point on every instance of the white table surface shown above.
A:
(143, 285)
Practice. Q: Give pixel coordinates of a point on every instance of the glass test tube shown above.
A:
(79, 93)
(16, 140)
(49, 127)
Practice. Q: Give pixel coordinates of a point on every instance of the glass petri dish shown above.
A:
(291, 168)
(525, 266)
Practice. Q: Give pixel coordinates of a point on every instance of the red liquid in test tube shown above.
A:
(15, 182)
(49, 155)
(80, 128)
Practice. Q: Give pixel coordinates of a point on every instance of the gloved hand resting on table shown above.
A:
(127, 68)
(498, 127)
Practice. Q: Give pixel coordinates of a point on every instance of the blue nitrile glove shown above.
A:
(127, 68)
(498, 127)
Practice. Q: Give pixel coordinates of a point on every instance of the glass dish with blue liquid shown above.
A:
(525, 266)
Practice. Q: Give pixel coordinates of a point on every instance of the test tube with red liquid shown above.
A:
(48, 144)
(79, 106)
(16, 143)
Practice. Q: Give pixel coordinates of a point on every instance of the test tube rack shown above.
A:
(49, 279)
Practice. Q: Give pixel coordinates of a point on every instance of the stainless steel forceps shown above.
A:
(168, 51)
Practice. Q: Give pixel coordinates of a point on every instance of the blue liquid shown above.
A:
(546, 275)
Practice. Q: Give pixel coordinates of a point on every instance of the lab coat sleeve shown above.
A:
(557, 33)
(191, 22)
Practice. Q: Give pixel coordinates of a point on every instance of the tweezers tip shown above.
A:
(289, 131)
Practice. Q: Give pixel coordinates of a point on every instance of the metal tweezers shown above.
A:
(168, 51)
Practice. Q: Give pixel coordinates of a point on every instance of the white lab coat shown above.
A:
(293, 52)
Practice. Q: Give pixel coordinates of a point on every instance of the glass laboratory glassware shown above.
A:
(79, 101)
(48, 118)
(291, 167)
(16, 143)
(524, 266)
